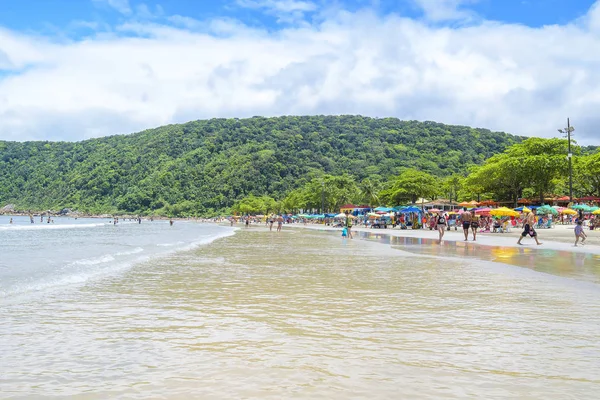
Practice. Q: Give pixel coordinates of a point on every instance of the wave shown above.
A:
(79, 272)
(45, 226)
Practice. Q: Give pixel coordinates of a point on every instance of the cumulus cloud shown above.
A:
(144, 74)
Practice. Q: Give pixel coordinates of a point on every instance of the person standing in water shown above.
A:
(466, 219)
(348, 224)
(440, 224)
(171, 222)
(528, 229)
(279, 223)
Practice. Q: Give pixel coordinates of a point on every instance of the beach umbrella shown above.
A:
(483, 211)
(594, 208)
(504, 212)
(597, 212)
(546, 210)
(434, 210)
(568, 211)
(411, 209)
(523, 209)
(583, 207)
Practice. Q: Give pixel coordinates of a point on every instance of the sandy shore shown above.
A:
(560, 237)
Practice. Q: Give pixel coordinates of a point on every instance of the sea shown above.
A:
(93, 310)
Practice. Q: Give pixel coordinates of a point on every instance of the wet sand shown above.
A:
(560, 238)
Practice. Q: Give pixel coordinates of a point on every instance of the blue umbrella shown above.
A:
(411, 209)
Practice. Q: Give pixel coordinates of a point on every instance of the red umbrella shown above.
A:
(483, 211)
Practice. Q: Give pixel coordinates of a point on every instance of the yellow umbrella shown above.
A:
(504, 212)
(568, 211)
(526, 210)
(597, 212)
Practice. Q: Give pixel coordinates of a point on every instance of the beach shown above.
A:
(560, 237)
(305, 314)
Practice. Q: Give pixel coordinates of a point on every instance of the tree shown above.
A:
(412, 184)
(369, 191)
(452, 185)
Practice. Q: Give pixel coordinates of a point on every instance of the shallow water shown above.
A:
(306, 315)
(580, 266)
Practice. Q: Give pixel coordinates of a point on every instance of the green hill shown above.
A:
(206, 165)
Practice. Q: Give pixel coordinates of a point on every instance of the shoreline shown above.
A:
(560, 238)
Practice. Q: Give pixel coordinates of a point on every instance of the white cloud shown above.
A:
(287, 11)
(445, 10)
(121, 6)
(503, 77)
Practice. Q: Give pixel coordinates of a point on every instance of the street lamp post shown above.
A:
(322, 197)
(568, 131)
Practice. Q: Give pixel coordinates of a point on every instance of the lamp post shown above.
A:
(568, 131)
(322, 197)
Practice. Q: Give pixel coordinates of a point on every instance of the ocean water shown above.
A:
(40, 258)
(290, 315)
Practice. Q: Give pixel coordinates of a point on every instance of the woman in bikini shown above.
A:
(440, 223)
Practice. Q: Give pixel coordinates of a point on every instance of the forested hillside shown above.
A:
(202, 167)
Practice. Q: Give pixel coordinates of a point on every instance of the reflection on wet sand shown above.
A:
(563, 263)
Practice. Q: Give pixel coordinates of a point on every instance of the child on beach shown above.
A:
(579, 233)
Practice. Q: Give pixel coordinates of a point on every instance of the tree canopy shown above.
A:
(204, 167)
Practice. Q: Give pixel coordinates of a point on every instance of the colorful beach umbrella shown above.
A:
(504, 212)
(568, 211)
(582, 207)
(544, 210)
(597, 212)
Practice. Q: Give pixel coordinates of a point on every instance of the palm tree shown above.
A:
(369, 190)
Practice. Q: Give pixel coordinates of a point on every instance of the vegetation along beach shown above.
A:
(299, 200)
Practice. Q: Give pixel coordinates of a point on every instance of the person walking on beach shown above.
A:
(579, 233)
(271, 221)
(348, 224)
(474, 226)
(440, 223)
(528, 229)
(279, 223)
(466, 218)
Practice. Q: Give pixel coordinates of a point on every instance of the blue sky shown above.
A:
(51, 16)
(74, 69)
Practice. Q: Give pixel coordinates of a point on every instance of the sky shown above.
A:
(76, 69)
